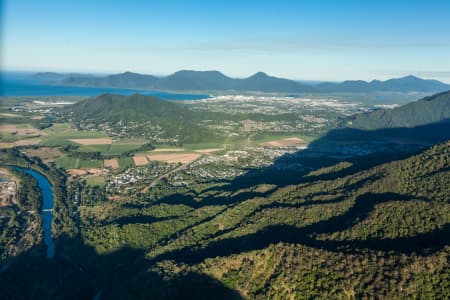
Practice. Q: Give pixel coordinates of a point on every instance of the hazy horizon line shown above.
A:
(427, 75)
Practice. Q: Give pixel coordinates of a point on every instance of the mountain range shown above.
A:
(405, 84)
(188, 80)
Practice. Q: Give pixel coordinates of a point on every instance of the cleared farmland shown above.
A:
(174, 157)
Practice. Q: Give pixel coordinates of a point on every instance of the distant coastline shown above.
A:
(22, 86)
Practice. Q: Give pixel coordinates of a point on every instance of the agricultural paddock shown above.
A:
(95, 148)
(140, 160)
(27, 142)
(95, 181)
(92, 141)
(60, 134)
(211, 150)
(10, 115)
(122, 146)
(21, 130)
(81, 172)
(285, 143)
(8, 128)
(6, 145)
(169, 150)
(46, 154)
(183, 158)
(111, 163)
(125, 162)
(115, 148)
(69, 162)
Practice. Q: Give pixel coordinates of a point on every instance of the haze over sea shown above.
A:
(19, 84)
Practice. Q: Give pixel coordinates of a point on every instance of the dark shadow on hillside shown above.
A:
(361, 149)
(137, 219)
(318, 155)
(424, 243)
(308, 201)
(78, 272)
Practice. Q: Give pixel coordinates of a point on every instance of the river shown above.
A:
(47, 207)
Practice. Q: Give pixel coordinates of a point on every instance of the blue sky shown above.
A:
(318, 40)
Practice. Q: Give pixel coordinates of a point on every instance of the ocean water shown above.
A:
(19, 86)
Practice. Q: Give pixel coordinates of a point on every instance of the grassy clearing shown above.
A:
(88, 164)
(122, 146)
(24, 126)
(118, 149)
(57, 127)
(7, 137)
(46, 154)
(201, 146)
(68, 163)
(139, 142)
(60, 134)
(77, 163)
(95, 181)
(55, 141)
(165, 146)
(95, 148)
(178, 157)
(125, 162)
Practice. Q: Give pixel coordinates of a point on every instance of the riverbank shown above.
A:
(46, 212)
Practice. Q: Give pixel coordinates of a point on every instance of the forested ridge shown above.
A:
(381, 232)
(432, 109)
(20, 224)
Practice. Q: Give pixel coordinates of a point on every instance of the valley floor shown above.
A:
(267, 214)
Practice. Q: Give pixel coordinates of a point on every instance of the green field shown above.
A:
(125, 162)
(116, 148)
(60, 134)
(68, 163)
(166, 146)
(87, 163)
(95, 181)
(6, 137)
(77, 163)
(200, 146)
(19, 123)
(95, 148)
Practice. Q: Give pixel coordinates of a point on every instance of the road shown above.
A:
(165, 175)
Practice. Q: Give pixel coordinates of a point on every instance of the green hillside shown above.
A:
(382, 232)
(428, 110)
(139, 116)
